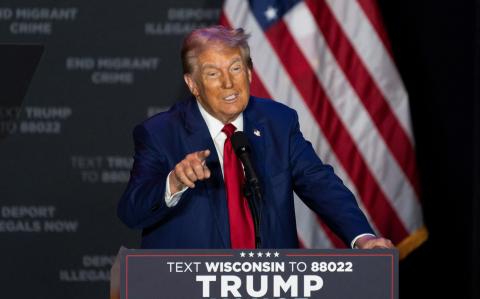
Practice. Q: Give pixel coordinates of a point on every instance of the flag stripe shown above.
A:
(346, 150)
(373, 53)
(336, 241)
(358, 76)
(305, 217)
(351, 111)
(372, 12)
(257, 87)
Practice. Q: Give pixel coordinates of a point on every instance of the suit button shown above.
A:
(155, 207)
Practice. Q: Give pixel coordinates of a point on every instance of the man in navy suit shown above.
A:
(177, 191)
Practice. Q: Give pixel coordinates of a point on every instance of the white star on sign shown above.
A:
(268, 254)
(271, 13)
(251, 254)
(259, 254)
(276, 254)
(242, 254)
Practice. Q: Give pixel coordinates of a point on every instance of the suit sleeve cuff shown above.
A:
(172, 199)
(352, 244)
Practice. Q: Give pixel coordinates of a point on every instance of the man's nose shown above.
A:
(227, 81)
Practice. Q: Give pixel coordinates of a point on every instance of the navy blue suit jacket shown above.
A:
(284, 160)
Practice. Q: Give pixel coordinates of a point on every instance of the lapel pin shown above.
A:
(256, 132)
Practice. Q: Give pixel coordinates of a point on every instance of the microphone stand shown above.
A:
(247, 191)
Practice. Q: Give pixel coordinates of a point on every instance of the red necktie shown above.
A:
(242, 234)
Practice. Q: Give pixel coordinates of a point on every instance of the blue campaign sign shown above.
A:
(268, 273)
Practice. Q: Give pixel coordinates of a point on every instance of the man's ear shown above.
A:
(249, 74)
(192, 85)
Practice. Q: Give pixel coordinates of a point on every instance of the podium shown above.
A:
(259, 273)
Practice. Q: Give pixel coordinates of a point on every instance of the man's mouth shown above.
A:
(231, 98)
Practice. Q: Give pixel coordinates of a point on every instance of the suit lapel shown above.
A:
(199, 139)
(254, 129)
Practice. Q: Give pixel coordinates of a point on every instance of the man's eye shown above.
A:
(211, 74)
(236, 68)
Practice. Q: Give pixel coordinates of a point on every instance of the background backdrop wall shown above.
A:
(65, 147)
(436, 44)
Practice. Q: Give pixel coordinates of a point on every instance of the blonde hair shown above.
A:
(201, 38)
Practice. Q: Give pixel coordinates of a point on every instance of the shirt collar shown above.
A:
(215, 126)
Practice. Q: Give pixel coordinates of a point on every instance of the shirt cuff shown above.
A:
(352, 245)
(172, 199)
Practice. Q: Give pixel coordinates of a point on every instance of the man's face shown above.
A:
(221, 82)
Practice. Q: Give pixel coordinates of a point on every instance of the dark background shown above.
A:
(436, 46)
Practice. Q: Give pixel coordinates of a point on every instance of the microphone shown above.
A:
(242, 149)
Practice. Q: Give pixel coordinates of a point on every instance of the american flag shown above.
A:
(331, 61)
